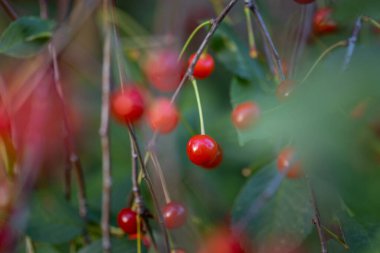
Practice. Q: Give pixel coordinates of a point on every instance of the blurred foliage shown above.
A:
(339, 151)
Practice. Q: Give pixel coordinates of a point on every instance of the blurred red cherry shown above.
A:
(163, 70)
(323, 22)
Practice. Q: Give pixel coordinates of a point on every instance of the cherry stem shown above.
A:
(199, 27)
(104, 130)
(371, 21)
(149, 184)
(251, 37)
(342, 43)
(160, 173)
(336, 237)
(200, 111)
(138, 219)
(251, 4)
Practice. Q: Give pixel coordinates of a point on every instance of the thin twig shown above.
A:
(251, 4)
(317, 216)
(149, 183)
(352, 42)
(158, 168)
(72, 159)
(9, 9)
(104, 131)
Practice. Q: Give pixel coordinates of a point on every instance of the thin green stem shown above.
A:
(342, 43)
(138, 218)
(200, 111)
(251, 38)
(208, 22)
(371, 21)
(336, 237)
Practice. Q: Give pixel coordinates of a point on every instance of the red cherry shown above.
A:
(204, 151)
(175, 215)
(204, 66)
(285, 159)
(284, 89)
(323, 23)
(145, 239)
(304, 1)
(128, 104)
(163, 116)
(245, 114)
(127, 220)
(5, 125)
(163, 70)
(223, 241)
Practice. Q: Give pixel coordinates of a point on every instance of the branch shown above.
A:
(9, 9)
(352, 42)
(251, 4)
(72, 159)
(317, 216)
(104, 131)
(150, 188)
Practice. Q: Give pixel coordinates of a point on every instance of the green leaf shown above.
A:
(234, 54)
(52, 219)
(26, 36)
(118, 246)
(286, 217)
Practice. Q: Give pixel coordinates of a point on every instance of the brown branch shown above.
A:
(251, 4)
(149, 183)
(72, 159)
(317, 216)
(9, 9)
(104, 131)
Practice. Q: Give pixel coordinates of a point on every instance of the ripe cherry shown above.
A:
(204, 66)
(323, 23)
(175, 215)
(163, 70)
(287, 158)
(223, 241)
(5, 125)
(127, 220)
(284, 89)
(204, 151)
(127, 104)
(245, 115)
(304, 1)
(163, 116)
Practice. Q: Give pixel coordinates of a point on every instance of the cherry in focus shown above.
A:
(204, 151)
(204, 66)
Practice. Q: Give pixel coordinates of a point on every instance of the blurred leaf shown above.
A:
(234, 54)
(285, 218)
(26, 36)
(244, 90)
(118, 246)
(52, 219)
